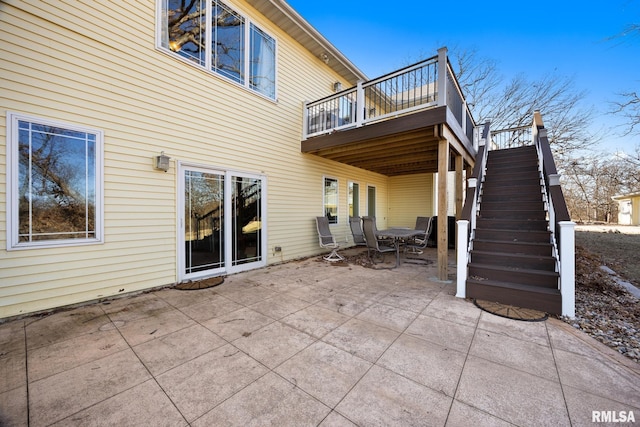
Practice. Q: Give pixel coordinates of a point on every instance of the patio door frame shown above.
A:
(228, 267)
(371, 200)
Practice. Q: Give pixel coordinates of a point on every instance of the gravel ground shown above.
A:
(604, 309)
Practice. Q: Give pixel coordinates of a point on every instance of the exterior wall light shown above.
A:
(337, 87)
(162, 162)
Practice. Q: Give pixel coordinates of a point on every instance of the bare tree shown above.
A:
(590, 181)
(511, 103)
(629, 109)
(628, 105)
(479, 79)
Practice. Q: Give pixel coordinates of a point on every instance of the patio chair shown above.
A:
(355, 222)
(326, 239)
(374, 244)
(416, 245)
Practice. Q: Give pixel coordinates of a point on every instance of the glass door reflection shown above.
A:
(204, 221)
(246, 200)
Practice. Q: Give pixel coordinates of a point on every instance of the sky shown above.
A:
(567, 38)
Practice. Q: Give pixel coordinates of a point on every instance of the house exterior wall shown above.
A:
(635, 210)
(624, 211)
(96, 65)
(410, 196)
(628, 209)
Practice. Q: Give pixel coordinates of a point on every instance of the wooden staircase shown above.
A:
(512, 257)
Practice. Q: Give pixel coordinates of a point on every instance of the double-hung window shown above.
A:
(212, 35)
(353, 198)
(55, 183)
(330, 199)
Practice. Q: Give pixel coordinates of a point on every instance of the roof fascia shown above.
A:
(283, 15)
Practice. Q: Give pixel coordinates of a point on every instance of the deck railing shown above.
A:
(467, 222)
(413, 88)
(560, 224)
(511, 138)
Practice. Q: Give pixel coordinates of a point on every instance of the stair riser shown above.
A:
(487, 205)
(521, 163)
(501, 224)
(516, 151)
(524, 173)
(532, 263)
(517, 164)
(513, 248)
(542, 236)
(524, 278)
(514, 197)
(497, 190)
(514, 235)
(509, 182)
(526, 299)
(519, 215)
(526, 162)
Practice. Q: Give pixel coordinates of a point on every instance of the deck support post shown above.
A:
(459, 184)
(443, 172)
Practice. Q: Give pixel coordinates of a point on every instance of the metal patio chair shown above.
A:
(327, 240)
(416, 245)
(374, 244)
(355, 222)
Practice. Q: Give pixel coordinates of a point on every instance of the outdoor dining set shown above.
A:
(378, 242)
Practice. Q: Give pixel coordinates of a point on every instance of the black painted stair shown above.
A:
(512, 258)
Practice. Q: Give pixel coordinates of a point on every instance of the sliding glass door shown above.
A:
(221, 224)
(246, 218)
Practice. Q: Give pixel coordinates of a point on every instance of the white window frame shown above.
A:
(13, 167)
(349, 183)
(324, 200)
(248, 23)
(375, 190)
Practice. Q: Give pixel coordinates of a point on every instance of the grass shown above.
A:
(616, 247)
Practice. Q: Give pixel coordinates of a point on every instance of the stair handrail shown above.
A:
(467, 222)
(560, 224)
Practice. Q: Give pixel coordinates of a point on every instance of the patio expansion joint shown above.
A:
(26, 366)
(555, 364)
(153, 377)
(464, 365)
(375, 364)
(593, 392)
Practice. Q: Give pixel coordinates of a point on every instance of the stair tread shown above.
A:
(512, 285)
(514, 269)
(488, 188)
(520, 230)
(522, 220)
(497, 208)
(511, 242)
(512, 255)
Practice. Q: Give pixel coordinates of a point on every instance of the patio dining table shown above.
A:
(399, 234)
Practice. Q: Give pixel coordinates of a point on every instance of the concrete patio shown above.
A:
(306, 343)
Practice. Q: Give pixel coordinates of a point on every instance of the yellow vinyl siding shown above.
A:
(98, 67)
(410, 196)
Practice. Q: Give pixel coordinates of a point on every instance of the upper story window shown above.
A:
(54, 182)
(214, 36)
